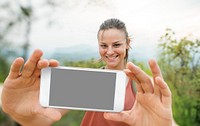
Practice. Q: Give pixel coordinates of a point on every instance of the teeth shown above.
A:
(112, 57)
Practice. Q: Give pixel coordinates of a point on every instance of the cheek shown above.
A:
(101, 52)
(122, 51)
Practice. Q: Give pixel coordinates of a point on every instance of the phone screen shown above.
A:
(82, 89)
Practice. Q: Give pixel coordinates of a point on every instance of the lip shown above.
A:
(112, 58)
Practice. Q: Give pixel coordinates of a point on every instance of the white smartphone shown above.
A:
(83, 89)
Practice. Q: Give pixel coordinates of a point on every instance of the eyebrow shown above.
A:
(113, 42)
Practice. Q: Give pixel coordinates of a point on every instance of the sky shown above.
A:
(146, 21)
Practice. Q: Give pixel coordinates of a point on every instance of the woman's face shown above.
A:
(112, 48)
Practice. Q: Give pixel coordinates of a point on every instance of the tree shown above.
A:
(180, 61)
(6, 51)
(18, 17)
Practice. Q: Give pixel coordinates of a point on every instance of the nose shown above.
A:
(110, 51)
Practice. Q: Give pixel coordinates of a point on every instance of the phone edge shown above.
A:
(45, 86)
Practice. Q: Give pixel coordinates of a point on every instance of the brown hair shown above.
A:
(117, 24)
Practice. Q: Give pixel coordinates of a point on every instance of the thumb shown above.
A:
(53, 114)
(119, 117)
(49, 113)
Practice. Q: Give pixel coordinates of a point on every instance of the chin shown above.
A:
(111, 65)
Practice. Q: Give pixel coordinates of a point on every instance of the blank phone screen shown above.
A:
(82, 89)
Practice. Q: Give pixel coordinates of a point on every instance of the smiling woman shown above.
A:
(151, 105)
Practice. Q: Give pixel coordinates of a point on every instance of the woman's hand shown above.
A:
(153, 99)
(20, 95)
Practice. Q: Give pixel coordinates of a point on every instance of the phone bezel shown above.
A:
(120, 88)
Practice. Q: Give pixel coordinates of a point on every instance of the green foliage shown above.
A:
(3, 68)
(143, 66)
(5, 120)
(5, 54)
(73, 118)
(92, 63)
(180, 62)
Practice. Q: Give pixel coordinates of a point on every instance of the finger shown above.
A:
(119, 117)
(165, 91)
(156, 73)
(155, 68)
(63, 111)
(53, 63)
(145, 80)
(15, 68)
(43, 63)
(50, 113)
(131, 75)
(134, 78)
(30, 65)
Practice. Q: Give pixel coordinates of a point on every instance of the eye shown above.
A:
(116, 45)
(103, 46)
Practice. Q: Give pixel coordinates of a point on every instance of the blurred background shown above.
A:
(66, 30)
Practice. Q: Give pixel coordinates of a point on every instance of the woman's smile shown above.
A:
(112, 58)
